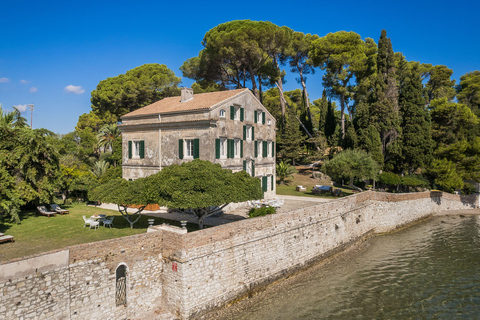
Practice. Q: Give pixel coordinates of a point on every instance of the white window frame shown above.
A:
(248, 167)
(269, 122)
(188, 147)
(259, 117)
(223, 147)
(236, 148)
(269, 149)
(222, 113)
(136, 149)
(249, 133)
(260, 149)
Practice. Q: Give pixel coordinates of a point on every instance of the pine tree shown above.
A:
(417, 143)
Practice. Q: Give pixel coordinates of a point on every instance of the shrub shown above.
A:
(260, 212)
(468, 188)
(414, 180)
(389, 178)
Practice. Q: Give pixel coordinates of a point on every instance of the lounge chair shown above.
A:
(44, 212)
(55, 207)
(5, 238)
(91, 223)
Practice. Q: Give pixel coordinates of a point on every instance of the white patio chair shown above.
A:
(91, 223)
(108, 222)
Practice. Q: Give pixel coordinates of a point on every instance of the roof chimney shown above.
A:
(187, 94)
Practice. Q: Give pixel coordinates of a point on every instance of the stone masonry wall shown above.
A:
(188, 274)
(220, 264)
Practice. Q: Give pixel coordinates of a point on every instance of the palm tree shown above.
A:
(12, 119)
(107, 135)
(284, 171)
(99, 168)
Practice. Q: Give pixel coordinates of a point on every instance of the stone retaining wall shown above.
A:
(188, 274)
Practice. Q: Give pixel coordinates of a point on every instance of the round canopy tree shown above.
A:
(351, 164)
(201, 186)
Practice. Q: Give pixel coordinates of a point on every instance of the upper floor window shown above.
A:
(188, 148)
(259, 117)
(259, 148)
(248, 133)
(222, 113)
(269, 122)
(237, 147)
(136, 149)
(237, 113)
(223, 148)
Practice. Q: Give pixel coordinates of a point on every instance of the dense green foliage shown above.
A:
(351, 164)
(406, 118)
(260, 212)
(199, 186)
(136, 88)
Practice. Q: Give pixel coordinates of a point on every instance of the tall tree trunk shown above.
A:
(254, 83)
(244, 77)
(260, 89)
(282, 99)
(305, 94)
(342, 114)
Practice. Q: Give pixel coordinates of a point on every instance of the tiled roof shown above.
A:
(173, 104)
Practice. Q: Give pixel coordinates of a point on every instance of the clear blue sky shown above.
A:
(53, 54)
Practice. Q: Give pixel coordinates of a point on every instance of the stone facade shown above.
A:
(231, 128)
(187, 274)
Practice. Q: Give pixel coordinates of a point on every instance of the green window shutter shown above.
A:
(265, 148)
(241, 148)
(244, 165)
(273, 149)
(242, 114)
(255, 116)
(253, 133)
(253, 169)
(129, 149)
(256, 148)
(232, 112)
(264, 183)
(142, 149)
(180, 148)
(263, 117)
(217, 148)
(244, 132)
(196, 148)
(229, 142)
(271, 182)
(232, 147)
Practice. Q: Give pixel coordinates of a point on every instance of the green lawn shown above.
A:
(289, 190)
(38, 234)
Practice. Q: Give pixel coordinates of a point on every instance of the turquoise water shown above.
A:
(428, 271)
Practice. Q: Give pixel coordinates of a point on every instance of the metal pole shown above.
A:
(31, 106)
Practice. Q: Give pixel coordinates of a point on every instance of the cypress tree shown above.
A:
(292, 140)
(323, 106)
(370, 139)
(417, 140)
(384, 110)
(330, 123)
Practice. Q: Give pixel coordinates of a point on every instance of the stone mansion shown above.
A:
(231, 128)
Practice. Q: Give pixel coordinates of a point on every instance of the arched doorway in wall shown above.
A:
(121, 285)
